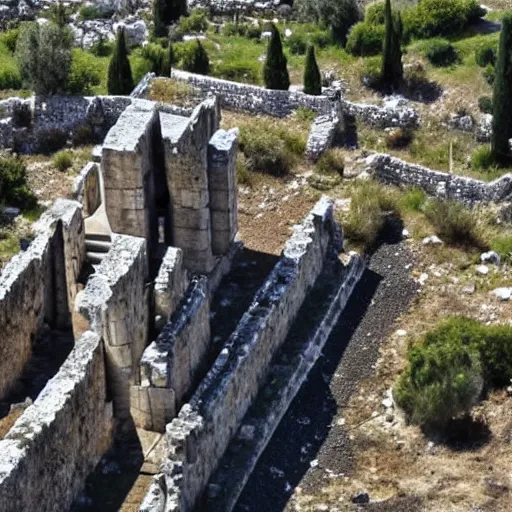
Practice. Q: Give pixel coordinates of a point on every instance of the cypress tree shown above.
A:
(312, 79)
(120, 80)
(502, 98)
(392, 70)
(275, 73)
(160, 17)
(201, 62)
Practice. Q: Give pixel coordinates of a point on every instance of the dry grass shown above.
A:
(167, 90)
(8, 421)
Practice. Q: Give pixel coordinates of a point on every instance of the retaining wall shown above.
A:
(86, 188)
(115, 306)
(198, 437)
(39, 286)
(441, 184)
(59, 439)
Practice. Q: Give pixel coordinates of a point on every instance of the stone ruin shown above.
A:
(141, 275)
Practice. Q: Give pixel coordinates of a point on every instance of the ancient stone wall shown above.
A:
(127, 165)
(38, 286)
(172, 364)
(198, 437)
(86, 188)
(222, 186)
(115, 304)
(186, 152)
(322, 134)
(441, 184)
(58, 440)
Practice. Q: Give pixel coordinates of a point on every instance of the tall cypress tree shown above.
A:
(312, 78)
(392, 69)
(120, 80)
(275, 72)
(160, 17)
(502, 99)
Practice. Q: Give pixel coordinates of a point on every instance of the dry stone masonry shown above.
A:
(159, 197)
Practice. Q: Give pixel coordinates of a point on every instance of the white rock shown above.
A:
(287, 32)
(405, 233)
(423, 278)
(482, 270)
(490, 257)
(401, 332)
(432, 240)
(266, 35)
(502, 293)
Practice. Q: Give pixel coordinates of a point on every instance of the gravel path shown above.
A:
(309, 431)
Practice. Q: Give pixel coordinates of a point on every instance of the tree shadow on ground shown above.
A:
(425, 92)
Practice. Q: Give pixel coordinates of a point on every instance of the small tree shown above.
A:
(312, 79)
(120, 79)
(160, 18)
(275, 72)
(392, 69)
(199, 61)
(43, 53)
(59, 14)
(170, 59)
(502, 99)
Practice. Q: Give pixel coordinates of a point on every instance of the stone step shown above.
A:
(94, 257)
(97, 245)
(98, 236)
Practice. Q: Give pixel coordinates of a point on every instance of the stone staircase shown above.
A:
(96, 247)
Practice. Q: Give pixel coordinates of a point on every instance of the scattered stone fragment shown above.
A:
(361, 497)
(482, 270)
(432, 240)
(469, 289)
(502, 293)
(491, 257)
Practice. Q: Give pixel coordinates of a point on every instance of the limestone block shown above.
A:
(189, 218)
(192, 239)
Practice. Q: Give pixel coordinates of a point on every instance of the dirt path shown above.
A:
(311, 446)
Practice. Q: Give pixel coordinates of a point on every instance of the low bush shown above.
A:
(84, 73)
(51, 140)
(243, 173)
(297, 43)
(489, 74)
(502, 244)
(246, 71)
(431, 18)
(413, 199)
(159, 58)
(332, 162)
(415, 75)
(253, 32)
(398, 138)
(63, 160)
(439, 52)
(371, 73)
(483, 159)
(270, 149)
(102, 48)
(441, 381)
(374, 13)
(449, 367)
(485, 104)
(371, 207)
(9, 38)
(22, 115)
(234, 29)
(196, 22)
(365, 39)
(9, 75)
(91, 12)
(485, 55)
(455, 224)
(194, 58)
(14, 189)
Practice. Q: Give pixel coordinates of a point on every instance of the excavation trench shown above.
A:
(122, 477)
(309, 444)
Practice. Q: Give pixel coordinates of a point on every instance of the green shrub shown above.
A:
(374, 13)
(431, 18)
(159, 58)
(14, 189)
(90, 12)
(234, 29)
(243, 173)
(84, 73)
(275, 71)
(10, 38)
(482, 159)
(102, 48)
(305, 114)
(415, 75)
(246, 71)
(63, 160)
(270, 149)
(485, 55)
(320, 38)
(490, 74)
(442, 381)
(371, 207)
(398, 138)
(413, 199)
(9, 75)
(371, 74)
(253, 32)
(454, 223)
(331, 162)
(196, 22)
(365, 39)
(503, 246)
(195, 59)
(297, 43)
(485, 104)
(439, 52)
(312, 78)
